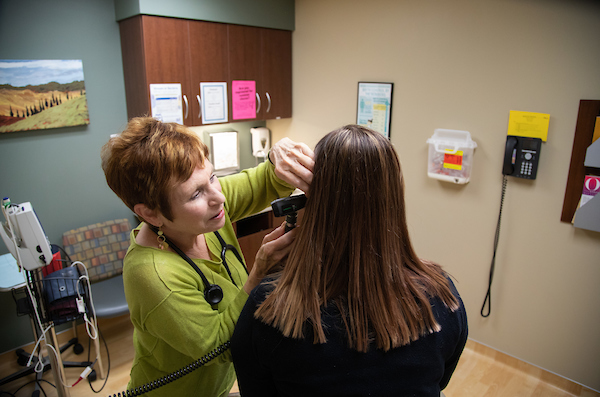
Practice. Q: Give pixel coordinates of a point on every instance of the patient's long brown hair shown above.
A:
(353, 250)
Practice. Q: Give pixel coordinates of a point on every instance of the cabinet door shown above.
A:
(132, 51)
(244, 59)
(167, 55)
(208, 59)
(276, 83)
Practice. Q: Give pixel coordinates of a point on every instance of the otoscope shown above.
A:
(289, 206)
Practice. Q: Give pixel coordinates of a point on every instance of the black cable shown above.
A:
(42, 389)
(488, 295)
(62, 250)
(26, 384)
(155, 384)
(107, 359)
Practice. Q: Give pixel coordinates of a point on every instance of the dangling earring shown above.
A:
(161, 239)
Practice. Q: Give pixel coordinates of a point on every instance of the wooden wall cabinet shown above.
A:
(171, 50)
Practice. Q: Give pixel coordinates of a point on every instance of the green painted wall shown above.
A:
(277, 14)
(58, 170)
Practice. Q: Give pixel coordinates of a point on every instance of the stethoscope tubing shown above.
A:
(213, 293)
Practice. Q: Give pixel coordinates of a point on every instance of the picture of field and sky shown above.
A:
(42, 94)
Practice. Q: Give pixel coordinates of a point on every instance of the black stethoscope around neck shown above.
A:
(213, 293)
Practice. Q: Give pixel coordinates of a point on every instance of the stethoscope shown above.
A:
(213, 293)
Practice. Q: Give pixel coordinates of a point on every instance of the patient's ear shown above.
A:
(151, 216)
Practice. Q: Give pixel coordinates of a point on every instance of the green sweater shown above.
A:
(173, 323)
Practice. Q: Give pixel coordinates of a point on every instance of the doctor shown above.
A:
(185, 280)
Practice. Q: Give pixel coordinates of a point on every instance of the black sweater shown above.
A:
(269, 364)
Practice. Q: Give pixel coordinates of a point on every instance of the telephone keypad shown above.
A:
(526, 168)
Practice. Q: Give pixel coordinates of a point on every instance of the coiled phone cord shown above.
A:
(155, 384)
(488, 295)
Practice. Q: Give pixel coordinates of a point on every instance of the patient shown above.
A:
(355, 311)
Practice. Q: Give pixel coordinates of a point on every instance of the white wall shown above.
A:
(464, 65)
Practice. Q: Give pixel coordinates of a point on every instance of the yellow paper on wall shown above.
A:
(528, 124)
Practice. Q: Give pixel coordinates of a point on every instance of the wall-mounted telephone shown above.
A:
(521, 156)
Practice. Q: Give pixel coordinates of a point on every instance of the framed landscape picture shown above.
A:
(42, 94)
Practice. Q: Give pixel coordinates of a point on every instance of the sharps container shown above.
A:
(450, 155)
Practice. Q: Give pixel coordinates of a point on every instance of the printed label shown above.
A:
(454, 160)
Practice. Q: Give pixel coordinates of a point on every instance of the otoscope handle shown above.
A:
(290, 221)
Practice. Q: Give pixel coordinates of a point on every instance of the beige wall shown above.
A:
(464, 65)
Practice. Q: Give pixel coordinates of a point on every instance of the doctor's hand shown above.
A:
(275, 247)
(294, 162)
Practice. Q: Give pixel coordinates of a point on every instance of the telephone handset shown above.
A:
(521, 156)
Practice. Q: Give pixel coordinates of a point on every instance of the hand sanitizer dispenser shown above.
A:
(261, 141)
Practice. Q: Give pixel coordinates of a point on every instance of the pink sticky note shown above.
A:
(243, 97)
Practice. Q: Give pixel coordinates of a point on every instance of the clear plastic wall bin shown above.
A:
(450, 156)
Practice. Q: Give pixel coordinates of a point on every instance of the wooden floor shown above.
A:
(481, 371)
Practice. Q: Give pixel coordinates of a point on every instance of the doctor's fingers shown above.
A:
(277, 244)
(289, 151)
(295, 173)
(278, 239)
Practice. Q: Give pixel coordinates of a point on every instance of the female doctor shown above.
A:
(185, 280)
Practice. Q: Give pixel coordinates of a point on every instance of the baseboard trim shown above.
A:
(556, 380)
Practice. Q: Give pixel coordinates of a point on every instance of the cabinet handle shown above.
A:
(186, 107)
(269, 99)
(258, 99)
(199, 104)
